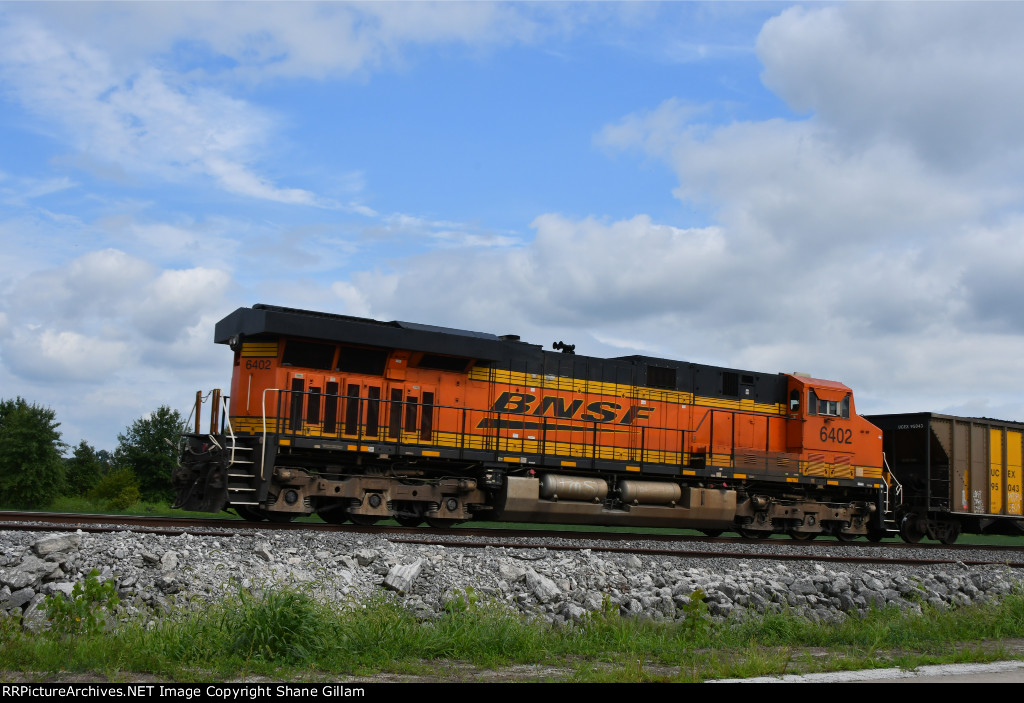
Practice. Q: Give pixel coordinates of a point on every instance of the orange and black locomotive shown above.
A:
(360, 420)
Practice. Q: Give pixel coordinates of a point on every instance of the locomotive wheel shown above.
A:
(803, 536)
(363, 520)
(409, 513)
(335, 515)
(247, 513)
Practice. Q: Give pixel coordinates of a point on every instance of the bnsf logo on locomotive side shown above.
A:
(555, 406)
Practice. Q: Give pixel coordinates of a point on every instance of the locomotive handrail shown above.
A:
(737, 411)
(226, 421)
(192, 413)
(263, 440)
(357, 425)
(196, 412)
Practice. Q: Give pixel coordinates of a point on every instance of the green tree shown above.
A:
(149, 448)
(83, 470)
(118, 490)
(105, 458)
(31, 465)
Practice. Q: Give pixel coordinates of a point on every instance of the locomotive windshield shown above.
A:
(829, 408)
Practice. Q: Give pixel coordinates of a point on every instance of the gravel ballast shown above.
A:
(156, 572)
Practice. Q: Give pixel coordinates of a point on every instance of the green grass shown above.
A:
(86, 506)
(287, 635)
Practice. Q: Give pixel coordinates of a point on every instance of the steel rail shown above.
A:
(483, 538)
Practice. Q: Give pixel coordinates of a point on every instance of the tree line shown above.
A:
(34, 470)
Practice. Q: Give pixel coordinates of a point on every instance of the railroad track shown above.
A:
(552, 540)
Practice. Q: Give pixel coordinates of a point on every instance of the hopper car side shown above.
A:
(959, 474)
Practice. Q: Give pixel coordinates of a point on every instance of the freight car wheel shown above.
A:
(910, 531)
(803, 536)
(440, 523)
(950, 533)
(712, 533)
(409, 520)
(281, 517)
(846, 537)
(747, 533)
(363, 520)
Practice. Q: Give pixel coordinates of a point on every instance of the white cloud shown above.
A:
(48, 355)
(798, 182)
(942, 78)
(134, 87)
(235, 178)
(212, 241)
(287, 39)
(167, 307)
(98, 283)
(86, 320)
(19, 191)
(143, 120)
(576, 272)
(441, 233)
(354, 301)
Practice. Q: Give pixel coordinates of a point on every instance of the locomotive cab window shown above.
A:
(794, 401)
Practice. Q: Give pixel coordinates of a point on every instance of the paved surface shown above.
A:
(995, 672)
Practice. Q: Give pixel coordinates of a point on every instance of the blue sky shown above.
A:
(830, 188)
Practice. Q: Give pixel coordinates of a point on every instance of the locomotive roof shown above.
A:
(274, 320)
(487, 349)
